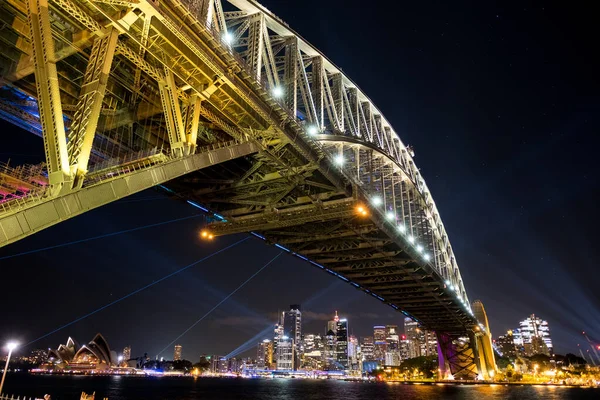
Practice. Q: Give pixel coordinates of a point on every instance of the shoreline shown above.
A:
(348, 379)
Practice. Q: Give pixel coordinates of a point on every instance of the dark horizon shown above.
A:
(500, 103)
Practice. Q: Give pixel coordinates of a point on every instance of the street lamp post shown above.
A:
(10, 346)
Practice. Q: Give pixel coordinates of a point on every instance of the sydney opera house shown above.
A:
(94, 356)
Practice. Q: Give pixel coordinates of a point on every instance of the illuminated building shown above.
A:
(96, 355)
(177, 353)
(264, 356)
(411, 331)
(332, 325)
(285, 354)
(420, 342)
(278, 333)
(292, 328)
(341, 345)
(506, 344)
(380, 343)
(368, 349)
(329, 351)
(533, 337)
(127, 353)
(404, 346)
(308, 343)
(352, 346)
(392, 352)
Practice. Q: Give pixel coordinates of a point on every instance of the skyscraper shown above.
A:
(380, 344)
(292, 328)
(392, 353)
(285, 354)
(177, 353)
(278, 333)
(534, 336)
(264, 354)
(412, 331)
(368, 348)
(506, 345)
(341, 345)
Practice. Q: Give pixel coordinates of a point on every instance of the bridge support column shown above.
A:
(89, 105)
(49, 104)
(456, 356)
(172, 110)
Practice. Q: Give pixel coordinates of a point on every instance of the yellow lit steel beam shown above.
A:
(48, 92)
(85, 122)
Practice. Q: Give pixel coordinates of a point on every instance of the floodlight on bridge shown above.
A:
(313, 130)
(419, 248)
(339, 159)
(390, 216)
(361, 210)
(377, 200)
(401, 228)
(427, 257)
(277, 92)
(228, 38)
(207, 235)
(411, 239)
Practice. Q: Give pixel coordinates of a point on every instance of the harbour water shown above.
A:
(172, 388)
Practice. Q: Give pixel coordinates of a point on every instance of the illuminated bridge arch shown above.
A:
(225, 105)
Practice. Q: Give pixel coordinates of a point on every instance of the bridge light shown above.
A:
(312, 130)
(427, 257)
(411, 239)
(447, 283)
(362, 211)
(277, 92)
(207, 235)
(419, 248)
(401, 228)
(390, 216)
(377, 200)
(339, 159)
(228, 38)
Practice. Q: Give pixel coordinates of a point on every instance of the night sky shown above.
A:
(502, 108)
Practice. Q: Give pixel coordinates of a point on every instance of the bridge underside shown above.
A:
(329, 228)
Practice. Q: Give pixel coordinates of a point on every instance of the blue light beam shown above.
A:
(221, 302)
(139, 290)
(100, 236)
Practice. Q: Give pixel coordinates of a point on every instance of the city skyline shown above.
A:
(528, 247)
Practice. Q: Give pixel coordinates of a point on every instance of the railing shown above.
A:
(12, 397)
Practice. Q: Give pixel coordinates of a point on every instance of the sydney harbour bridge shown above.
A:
(223, 104)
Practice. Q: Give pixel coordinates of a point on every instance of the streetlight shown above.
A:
(10, 346)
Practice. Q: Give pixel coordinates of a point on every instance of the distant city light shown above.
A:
(377, 200)
(277, 92)
(339, 159)
(312, 130)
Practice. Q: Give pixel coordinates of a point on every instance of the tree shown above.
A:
(203, 364)
(425, 365)
(502, 362)
(182, 365)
